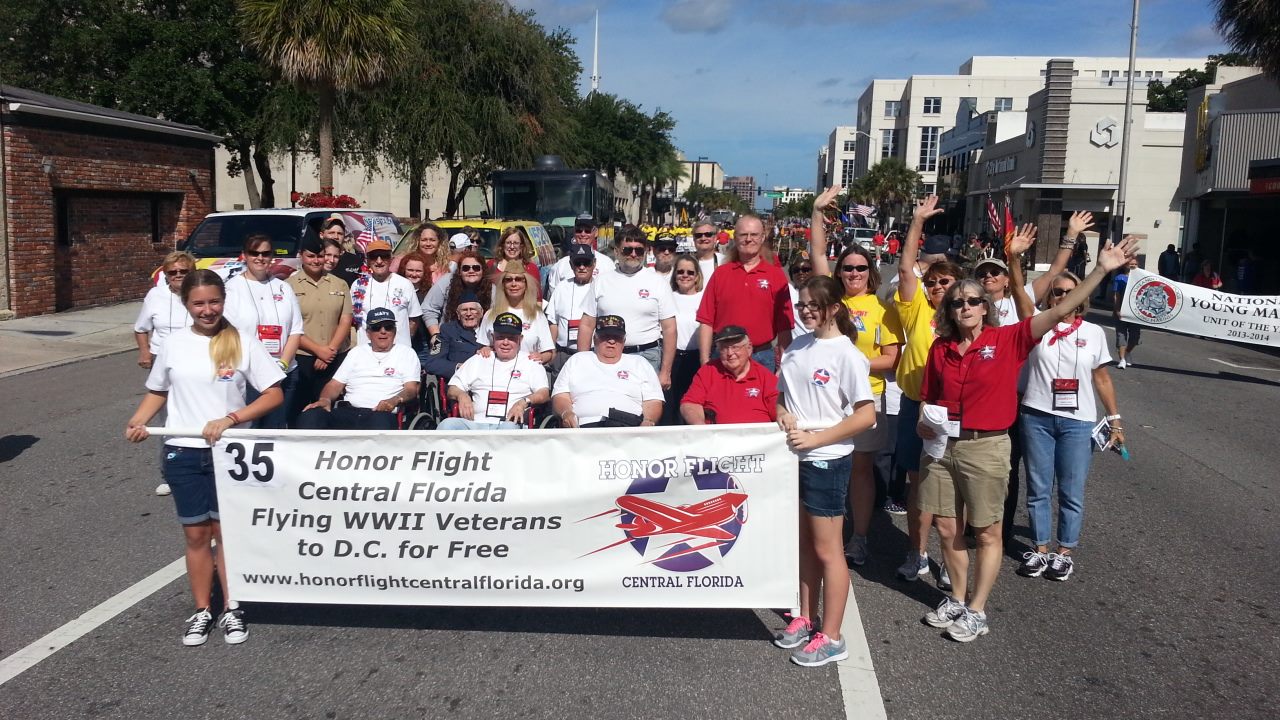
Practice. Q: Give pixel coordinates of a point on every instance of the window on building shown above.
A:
(1106, 74)
(1005, 103)
(888, 143)
(847, 171)
(932, 105)
(929, 148)
(848, 146)
(892, 108)
(1150, 73)
(927, 188)
(1159, 73)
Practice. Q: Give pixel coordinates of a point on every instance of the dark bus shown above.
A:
(554, 196)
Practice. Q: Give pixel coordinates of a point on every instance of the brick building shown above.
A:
(93, 200)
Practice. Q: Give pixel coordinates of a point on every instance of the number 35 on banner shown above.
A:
(250, 463)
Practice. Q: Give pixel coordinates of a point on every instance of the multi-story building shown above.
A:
(1229, 192)
(822, 179)
(839, 158)
(789, 194)
(906, 118)
(744, 186)
(1067, 158)
(702, 171)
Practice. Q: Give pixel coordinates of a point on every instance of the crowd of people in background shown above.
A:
(918, 396)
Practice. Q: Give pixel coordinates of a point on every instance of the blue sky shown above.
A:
(757, 85)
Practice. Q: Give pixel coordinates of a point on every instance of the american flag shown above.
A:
(993, 216)
(863, 210)
(365, 237)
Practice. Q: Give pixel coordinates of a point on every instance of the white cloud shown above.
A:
(697, 16)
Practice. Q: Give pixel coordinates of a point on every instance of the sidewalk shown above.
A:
(46, 341)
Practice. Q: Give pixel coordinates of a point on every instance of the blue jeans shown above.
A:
(1055, 446)
(765, 357)
(276, 419)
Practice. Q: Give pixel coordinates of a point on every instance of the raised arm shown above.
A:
(1022, 240)
(1111, 257)
(907, 280)
(1079, 222)
(818, 231)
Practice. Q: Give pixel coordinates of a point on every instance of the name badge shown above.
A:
(270, 335)
(497, 404)
(952, 428)
(1066, 394)
(573, 330)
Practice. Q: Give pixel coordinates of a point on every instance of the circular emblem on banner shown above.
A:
(1155, 301)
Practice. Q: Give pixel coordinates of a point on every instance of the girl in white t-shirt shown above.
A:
(200, 376)
(824, 400)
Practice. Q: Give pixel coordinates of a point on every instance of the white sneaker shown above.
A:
(1122, 364)
(162, 489)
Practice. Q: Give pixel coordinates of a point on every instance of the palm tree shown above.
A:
(1252, 27)
(888, 184)
(327, 47)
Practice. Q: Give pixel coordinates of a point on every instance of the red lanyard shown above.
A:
(1059, 334)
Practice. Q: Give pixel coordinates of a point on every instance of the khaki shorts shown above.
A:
(972, 477)
(873, 439)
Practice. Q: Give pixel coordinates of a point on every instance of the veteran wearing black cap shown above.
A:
(569, 302)
(494, 391)
(370, 384)
(732, 388)
(605, 387)
(325, 300)
(585, 232)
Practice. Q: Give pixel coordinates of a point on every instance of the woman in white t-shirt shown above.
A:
(687, 283)
(518, 294)
(201, 376)
(824, 401)
(260, 303)
(1063, 373)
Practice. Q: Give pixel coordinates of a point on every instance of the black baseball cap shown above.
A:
(664, 241)
(611, 326)
(379, 317)
(585, 220)
(508, 324)
(579, 252)
(730, 334)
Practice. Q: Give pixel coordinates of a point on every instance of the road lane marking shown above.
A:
(26, 658)
(858, 684)
(1244, 367)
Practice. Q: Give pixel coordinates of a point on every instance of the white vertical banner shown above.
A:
(650, 517)
(1154, 301)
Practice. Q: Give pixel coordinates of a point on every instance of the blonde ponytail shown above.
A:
(224, 348)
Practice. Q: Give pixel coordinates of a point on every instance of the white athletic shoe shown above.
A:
(162, 489)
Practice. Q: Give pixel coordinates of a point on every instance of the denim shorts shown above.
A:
(824, 486)
(189, 472)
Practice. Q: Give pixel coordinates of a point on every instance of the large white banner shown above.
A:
(653, 517)
(1154, 301)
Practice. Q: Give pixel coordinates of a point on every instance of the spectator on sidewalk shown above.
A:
(1169, 263)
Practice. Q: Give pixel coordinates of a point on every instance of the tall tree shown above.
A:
(1252, 28)
(888, 185)
(328, 47)
(1173, 97)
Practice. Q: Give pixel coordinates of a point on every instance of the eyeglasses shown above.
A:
(854, 268)
(379, 255)
(704, 235)
(735, 347)
(471, 268)
(635, 250)
(989, 273)
(257, 253)
(513, 280)
(177, 273)
(388, 327)
(1059, 292)
(810, 306)
(961, 302)
(664, 248)
(804, 269)
(687, 273)
(944, 282)
(583, 228)
(583, 263)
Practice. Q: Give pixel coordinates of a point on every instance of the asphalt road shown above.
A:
(1168, 613)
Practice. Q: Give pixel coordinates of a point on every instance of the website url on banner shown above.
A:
(394, 582)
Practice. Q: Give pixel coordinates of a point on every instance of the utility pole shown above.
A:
(1117, 222)
(595, 58)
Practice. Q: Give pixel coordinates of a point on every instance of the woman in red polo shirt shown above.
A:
(972, 372)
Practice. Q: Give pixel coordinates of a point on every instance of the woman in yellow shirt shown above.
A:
(880, 339)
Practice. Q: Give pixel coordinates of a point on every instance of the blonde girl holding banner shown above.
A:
(823, 383)
(201, 375)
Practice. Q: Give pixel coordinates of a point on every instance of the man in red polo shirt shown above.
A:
(732, 388)
(750, 293)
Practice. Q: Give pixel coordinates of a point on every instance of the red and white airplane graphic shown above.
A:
(703, 520)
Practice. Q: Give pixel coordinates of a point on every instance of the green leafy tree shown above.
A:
(328, 47)
(1173, 96)
(1252, 28)
(888, 185)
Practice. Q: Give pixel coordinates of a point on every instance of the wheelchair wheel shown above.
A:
(422, 421)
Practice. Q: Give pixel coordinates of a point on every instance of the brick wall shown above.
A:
(105, 188)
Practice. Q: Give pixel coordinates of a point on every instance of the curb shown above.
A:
(64, 361)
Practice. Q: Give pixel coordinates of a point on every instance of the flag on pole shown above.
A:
(992, 216)
(863, 210)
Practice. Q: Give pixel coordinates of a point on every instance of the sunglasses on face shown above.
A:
(944, 282)
(854, 268)
(513, 280)
(961, 302)
(583, 228)
(379, 255)
(989, 274)
(687, 273)
(804, 269)
(257, 253)
(1059, 292)
(704, 235)
(664, 248)
(632, 250)
(177, 273)
(583, 263)
(470, 268)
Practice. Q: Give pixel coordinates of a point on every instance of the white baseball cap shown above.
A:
(459, 241)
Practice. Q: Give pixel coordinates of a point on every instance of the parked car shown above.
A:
(863, 237)
(217, 241)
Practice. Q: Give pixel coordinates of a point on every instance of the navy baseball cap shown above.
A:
(585, 219)
(579, 252)
(378, 317)
(508, 324)
(611, 326)
(731, 334)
